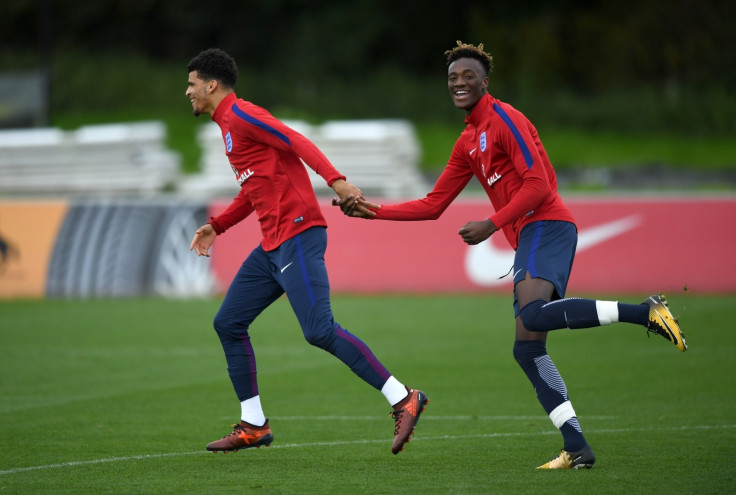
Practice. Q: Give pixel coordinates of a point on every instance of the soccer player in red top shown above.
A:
(266, 158)
(502, 149)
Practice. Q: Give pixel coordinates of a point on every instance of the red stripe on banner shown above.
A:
(625, 245)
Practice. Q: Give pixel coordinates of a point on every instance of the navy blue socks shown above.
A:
(551, 391)
(543, 316)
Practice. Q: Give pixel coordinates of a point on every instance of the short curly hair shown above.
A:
(464, 50)
(214, 63)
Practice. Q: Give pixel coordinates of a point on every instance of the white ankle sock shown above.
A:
(251, 411)
(394, 390)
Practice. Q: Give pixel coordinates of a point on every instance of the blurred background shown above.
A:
(629, 97)
(607, 82)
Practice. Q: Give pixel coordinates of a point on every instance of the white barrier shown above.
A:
(93, 160)
(379, 156)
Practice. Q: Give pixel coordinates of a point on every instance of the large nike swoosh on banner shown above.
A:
(485, 263)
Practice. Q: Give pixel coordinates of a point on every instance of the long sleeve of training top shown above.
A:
(503, 150)
(267, 158)
(450, 183)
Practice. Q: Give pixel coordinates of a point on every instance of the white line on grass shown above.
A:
(351, 442)
(428, 418)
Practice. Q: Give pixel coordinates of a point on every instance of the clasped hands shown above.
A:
(351, 201)
(353, 204)
(356, 206)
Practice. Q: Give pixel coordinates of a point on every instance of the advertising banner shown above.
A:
(130, 248)
(626, 244)
(28, 231)
(85, 248)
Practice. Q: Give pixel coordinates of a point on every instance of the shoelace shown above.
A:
(236, 428)
(397, 415)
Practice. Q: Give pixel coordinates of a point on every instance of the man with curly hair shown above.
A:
(502, 149)
(266, 158)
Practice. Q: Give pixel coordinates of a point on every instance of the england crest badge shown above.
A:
(228, 142)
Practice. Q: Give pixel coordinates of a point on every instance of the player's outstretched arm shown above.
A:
(203, 239)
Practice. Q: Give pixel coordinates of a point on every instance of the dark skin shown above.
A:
(467, 82)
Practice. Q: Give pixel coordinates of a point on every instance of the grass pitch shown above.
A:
(121, 396)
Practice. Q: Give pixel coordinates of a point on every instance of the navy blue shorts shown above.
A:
(297, 268)
(546, 250)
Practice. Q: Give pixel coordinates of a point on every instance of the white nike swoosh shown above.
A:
(473, 151)
(485, 263)
(287, 266)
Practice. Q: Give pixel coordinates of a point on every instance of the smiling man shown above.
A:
(266, 158)
(502, 149)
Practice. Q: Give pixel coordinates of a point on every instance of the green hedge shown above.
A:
(682, 126)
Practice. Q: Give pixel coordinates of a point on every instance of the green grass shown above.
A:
(120, 396)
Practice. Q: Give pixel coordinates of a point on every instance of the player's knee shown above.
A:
(319, 338)
(526, 351)
(320, 330)
(226, 326)
(219, 323)
(530, 316)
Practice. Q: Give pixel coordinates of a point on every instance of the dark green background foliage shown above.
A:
(630, 66)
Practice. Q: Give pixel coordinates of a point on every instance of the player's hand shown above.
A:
(344, 188)
(477, 232)
(356, 207)
(351, 200)
(203, 239)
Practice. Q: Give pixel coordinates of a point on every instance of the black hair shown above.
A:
(463, 50)
(214, 63)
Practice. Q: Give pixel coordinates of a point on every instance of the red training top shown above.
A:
(266, 157)
(502, 149)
